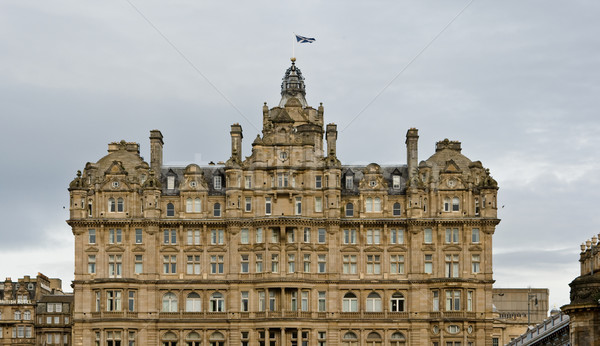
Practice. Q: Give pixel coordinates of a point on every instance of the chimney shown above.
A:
(331, 137)
(236, 142)
(412, 148)
(156, 151)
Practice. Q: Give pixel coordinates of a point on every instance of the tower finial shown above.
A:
(293, 60)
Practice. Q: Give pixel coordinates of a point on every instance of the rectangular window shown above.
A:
(306, 264)
(245, 263)
(349, 182)
(397, 264)
(193, 264)
(259, 235)
(131, 301)
(170, 264)
(495, 341)
(396, 182)
(428, 236)
(435, 300)
(138, 236)
(115, 263)
(138, 264)
(294, 301)
(451, 266)
(261, 300)
(170, 182)
(272, 301)
(321, 236)
(113, 300)
(298, 209)
(452, 300)
(322, 301)
(92, 264)
(291, 263)
(373, 264)
(318, 182)
(267, 205)
(322, 263)
(216, 264)
(97, 305)
(245, 304)
(282, 180)
(475, 235)
(349, 236)
(428, 264)
(193, 237)
(130, 339)
(248, 182)
(217, 182)
(396, 236)
(349, 264)
(91, 236)
(291, 235)
(476, 261)
(259, 263)
(248, 204)
(217, 237)
(245, 236)
(306, 235)
(274, 235)
(170, 236)
(469, 300)
(318, 204)
(452, 235)
(115, 236)
(304, 301)
(274, 263)
(373, 236)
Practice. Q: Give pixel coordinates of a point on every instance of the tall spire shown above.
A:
(293, 86)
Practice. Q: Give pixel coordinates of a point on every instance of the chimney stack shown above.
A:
(156, 151)
(412, 148)
(236, 142)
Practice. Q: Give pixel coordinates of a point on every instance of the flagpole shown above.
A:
(294, 46)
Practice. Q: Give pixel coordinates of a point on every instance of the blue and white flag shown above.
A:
(303, 39)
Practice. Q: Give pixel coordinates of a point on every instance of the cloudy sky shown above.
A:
(514, 81)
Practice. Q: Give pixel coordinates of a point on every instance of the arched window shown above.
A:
(396, 209)
(455, 204)
(373, 339)
(197, 205)
(476, 206)
(446, 204)
(189, 205)
(374, 302)
(111, 205)
(349, 209)
(217, 210)
(169, 302)
(120, 205)
(170, 209)
(193, 339)
(217, 302)
(377, 204)
(350, 339)
(193, 302)
(350, 303)
(169, 339)
(217, 339)
(369, 204)
(397, 339)
(397, 302)
(425, 205)
(17, 315)
(27, 315)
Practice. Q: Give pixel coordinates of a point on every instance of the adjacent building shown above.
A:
(287, 246)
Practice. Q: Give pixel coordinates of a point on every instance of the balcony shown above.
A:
(452, 315)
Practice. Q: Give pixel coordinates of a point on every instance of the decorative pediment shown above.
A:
(217, 249)
(428, 247)
(475, 248)
(259, 247)
(115, 248)
(245, 248)
(349, 249)
(274, 247)
(373, 249)
(291, 247)
(451, 248)
(116, 167)
(307, 247)
(138, 249)
(168, 248)
(451, 167)
(397, 248)
(193, 249)
(91, 249)
(322, 248)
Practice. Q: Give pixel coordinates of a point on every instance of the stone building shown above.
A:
(287, 246)
(515, 310)
(584, 308)
(19, 309)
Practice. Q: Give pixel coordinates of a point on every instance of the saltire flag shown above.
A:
(303, 39)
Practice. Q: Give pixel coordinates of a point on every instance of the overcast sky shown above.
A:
(517, 82)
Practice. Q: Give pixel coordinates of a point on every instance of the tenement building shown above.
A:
(287, 246)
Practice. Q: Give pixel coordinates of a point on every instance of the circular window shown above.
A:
(115, 184)
(193, 183)
(470, 329)
(283, 155)
(435, 329)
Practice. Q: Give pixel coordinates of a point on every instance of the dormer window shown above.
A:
(349, 182)
(217, 182)
(170, 182)
(396, 182)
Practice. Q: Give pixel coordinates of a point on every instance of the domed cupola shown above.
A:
(293, 86)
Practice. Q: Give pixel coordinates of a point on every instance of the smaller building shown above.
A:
(515, 309)
(19, 308)
(54, 321)
(553, 331)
